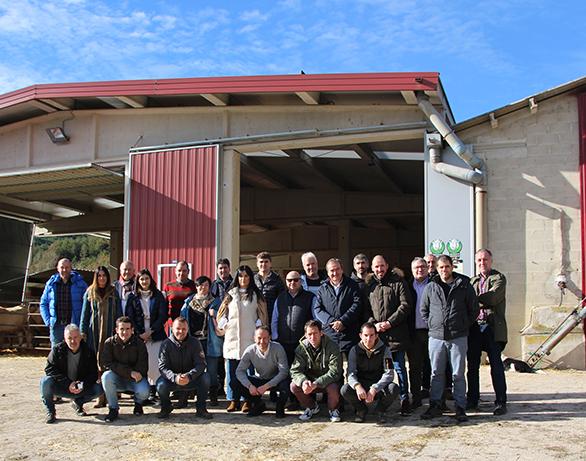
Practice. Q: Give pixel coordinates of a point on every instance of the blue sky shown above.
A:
(489, 53)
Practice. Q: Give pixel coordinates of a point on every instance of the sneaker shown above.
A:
(461, 415)
(500, 409)
(138, 411)
(165, 412)
(335, 416)
(257, 409)
(309, 413)
(112, 415)
(432, 412)
(79, 411)
(50, 417)
(203, 414)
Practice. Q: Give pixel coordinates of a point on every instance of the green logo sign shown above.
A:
(437, 247)
(454, 247)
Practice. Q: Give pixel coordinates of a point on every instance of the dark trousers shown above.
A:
(282, 389)
(290, 352)
(200, 385)
(482, 339)
(52, 388)
(419, 366)
(384, 397)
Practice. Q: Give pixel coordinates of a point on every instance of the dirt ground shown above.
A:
(546, 420)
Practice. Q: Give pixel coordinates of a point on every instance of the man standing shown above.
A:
(126, 363)
(221, 285)
(293, 309)
(126, 283)
(388, 308)
(419, 366)
(489, 332)
(62, 300)
(449, 306)
(267, 281)
(360, 273)
(370, 375)
(182, 365)
(317, 368)
(338, 307)
(431, 261)
(71, 372)
(179, 290)
(271, 371)
(312, 278)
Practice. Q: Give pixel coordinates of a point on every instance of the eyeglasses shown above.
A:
(293, 280)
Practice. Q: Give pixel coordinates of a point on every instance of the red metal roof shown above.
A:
(361, 82)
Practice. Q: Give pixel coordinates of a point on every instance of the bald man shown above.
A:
(292, 309)
(62, 300)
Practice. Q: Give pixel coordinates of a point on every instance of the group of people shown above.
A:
(293, 339)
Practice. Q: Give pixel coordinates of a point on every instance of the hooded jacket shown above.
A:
(323, 367)
(449, 317)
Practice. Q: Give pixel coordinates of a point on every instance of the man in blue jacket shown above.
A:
(62, 300)
(338, 307)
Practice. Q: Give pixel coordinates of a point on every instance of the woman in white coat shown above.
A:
(243, 309)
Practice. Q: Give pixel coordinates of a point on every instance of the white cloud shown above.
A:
(254, 16)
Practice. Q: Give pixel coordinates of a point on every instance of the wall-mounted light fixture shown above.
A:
(57, 135)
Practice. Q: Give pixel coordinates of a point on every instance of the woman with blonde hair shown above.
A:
(243, 309)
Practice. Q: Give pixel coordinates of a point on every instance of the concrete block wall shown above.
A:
(533, 196)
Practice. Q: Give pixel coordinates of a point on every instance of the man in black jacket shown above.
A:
(71, 372)
(389, 308)
(268, 281)
(182, 365)
(125, 360)
(449, 306)
(338, 307)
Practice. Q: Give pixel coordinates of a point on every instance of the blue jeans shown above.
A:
(232, 383)
(440, 353)
(56, 334)
(212, 370)
(201, 385)
(51, 388)
(482, 339)
(113, 383)
(399, 366)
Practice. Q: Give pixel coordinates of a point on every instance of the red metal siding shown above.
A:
(582, 131)
(173, 208)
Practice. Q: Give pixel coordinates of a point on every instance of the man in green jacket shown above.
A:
(317, 367)
(488, 333)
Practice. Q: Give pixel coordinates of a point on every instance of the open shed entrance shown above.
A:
(337, 201)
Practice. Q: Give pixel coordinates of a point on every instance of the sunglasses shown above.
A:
(292, 280)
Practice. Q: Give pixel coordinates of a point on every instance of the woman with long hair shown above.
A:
(242, 310)
(150, 313)
(100, 309)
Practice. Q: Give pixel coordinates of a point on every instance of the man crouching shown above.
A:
(370, 375)
(182, 365)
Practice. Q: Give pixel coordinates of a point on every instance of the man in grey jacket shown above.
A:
(182, 365)
(449, 306)
(271, 371)
(370, 375)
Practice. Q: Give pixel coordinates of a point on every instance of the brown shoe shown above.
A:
(101, 403)
(233, 406)
(245, 407)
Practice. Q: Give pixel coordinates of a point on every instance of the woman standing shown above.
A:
(100, 309)
(149, 313)
(242, 310)
(200, 310)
